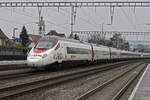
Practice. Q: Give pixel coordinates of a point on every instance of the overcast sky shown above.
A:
(89, 19)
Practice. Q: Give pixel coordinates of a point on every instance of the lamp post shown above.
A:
(102, 27)
(14, 29)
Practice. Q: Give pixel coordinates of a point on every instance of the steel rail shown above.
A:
(5, 75)
(13, 67)
(93, 91)
(26, 87)
(18, 75)
(123, 90)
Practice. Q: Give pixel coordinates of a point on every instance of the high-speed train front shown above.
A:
(42, 53)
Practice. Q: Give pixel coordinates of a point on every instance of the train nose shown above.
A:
(34, 62)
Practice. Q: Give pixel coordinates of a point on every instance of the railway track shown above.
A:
(31, 86)
(10, 74)
(19, 72)
(13, 67)
(17, 75)
(90, 95)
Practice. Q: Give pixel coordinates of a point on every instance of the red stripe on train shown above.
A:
(39, 50)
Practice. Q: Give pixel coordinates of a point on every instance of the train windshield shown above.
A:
(46, 43)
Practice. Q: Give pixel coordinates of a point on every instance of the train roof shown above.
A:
(77, 41)
(62, 38)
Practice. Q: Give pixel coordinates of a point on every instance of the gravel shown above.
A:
(43, 76)
(113, 88)
(72, 89)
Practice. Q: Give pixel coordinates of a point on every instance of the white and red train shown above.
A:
(52, 49)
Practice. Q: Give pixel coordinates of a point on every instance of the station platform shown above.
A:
(142, 89)
(13, 62)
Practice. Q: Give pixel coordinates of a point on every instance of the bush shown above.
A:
(15, 48)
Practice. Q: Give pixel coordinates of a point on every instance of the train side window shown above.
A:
(72, 50)
(58, 46)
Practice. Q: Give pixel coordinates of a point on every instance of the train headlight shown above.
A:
(45, 55)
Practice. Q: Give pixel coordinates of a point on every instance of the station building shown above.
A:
(4, 40)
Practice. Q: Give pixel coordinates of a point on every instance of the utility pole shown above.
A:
(111, 14)
(73, 18)
(72, 14)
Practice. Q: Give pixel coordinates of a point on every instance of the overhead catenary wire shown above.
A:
(129, 20)
(89, 17)
(94, 25)
(10, 22)
(83, 19)
(34, 18)
(56, 24)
